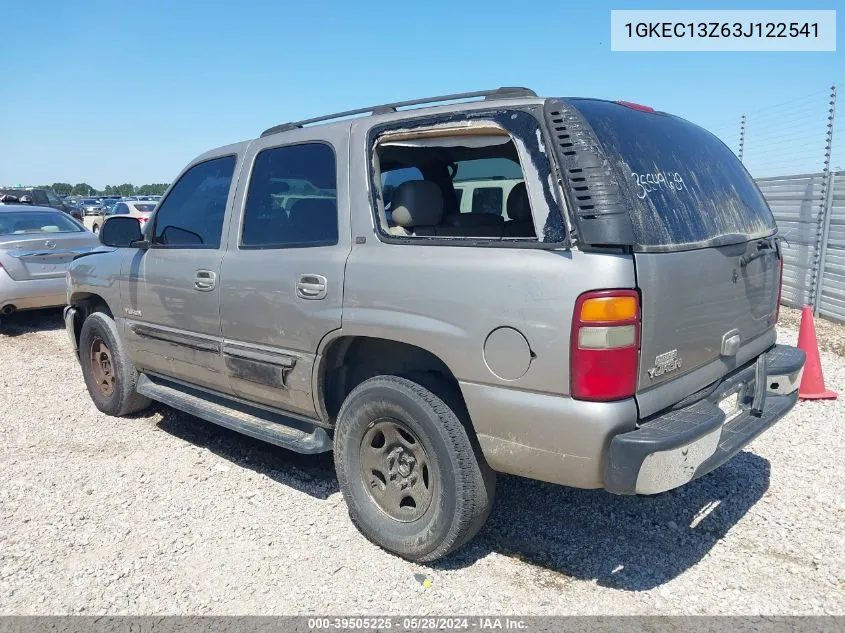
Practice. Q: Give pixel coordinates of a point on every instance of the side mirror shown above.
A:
(121, 231)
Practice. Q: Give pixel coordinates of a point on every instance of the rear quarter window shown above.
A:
(683, 186)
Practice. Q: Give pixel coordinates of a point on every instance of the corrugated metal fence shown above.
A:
(810, 212)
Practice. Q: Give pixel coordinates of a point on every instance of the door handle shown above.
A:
(205, 280)
(311, 287)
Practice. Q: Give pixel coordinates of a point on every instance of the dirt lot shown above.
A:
(164, 513)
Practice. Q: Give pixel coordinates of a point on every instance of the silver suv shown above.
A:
(610, 325)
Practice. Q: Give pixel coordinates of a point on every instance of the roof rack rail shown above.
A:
(505, 92)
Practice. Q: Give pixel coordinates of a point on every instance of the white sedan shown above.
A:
(135, 208)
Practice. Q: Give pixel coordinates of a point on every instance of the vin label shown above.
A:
(723, 30)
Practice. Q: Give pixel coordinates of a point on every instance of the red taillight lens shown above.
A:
(636, 106)
(142, 219)
(605, 343)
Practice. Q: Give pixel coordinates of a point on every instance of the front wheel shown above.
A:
(414, 481)
(109, 373)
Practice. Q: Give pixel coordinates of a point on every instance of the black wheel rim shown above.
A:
(396, 470)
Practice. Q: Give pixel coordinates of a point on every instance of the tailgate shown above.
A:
(703, 240)
(705, 307)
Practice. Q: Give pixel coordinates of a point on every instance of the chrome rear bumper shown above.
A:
(675, 447)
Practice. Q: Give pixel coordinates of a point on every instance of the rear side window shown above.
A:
(292, 198)
(684, 187)
(192, 214)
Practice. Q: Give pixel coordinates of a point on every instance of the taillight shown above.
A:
(636, 106)
(142, 219)
(604, 348)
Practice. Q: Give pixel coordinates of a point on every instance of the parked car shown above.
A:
(135, 208)
(92, 206)
(108, 205)
(75, 209)
(44, 198)
(139, 210)
(616, 330)
(36, 246)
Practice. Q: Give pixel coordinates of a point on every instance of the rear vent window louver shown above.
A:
(601, 215)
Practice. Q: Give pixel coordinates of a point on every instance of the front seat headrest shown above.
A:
(518, 206)
(417, 203)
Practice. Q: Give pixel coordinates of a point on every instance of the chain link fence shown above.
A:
(789, 150)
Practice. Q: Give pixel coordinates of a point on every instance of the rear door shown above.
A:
(281, 281)
(707, 262)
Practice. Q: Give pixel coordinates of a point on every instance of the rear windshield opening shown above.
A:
(460, 186)
(683, 186)
(27, 222)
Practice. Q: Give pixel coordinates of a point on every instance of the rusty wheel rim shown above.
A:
(396, 471)
(102, 368)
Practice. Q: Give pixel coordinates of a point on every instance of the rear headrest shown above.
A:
(313, 219)
(313, 210)
(417, 203)
(472, 220)
(518, 206)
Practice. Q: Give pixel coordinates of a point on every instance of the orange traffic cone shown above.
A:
(812, 382)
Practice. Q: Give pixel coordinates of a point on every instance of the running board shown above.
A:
(290, 433)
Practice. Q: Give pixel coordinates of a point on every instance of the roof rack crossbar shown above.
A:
(499, 93)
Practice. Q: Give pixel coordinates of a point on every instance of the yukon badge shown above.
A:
(132, 312)
(664, 363)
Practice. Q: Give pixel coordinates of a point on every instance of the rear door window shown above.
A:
(292, 198)
(684, 187)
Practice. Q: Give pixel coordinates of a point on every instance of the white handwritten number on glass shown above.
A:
(647, 183)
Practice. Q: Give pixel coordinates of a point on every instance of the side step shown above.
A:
(274, 428)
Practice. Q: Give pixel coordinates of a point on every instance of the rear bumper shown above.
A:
(673, 448)
(33, 293)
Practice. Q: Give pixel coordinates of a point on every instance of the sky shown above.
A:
(113, 92)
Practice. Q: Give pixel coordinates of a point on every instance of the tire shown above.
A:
(423, 518)
(99, 335)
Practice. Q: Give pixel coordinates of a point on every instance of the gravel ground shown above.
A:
(163, 513)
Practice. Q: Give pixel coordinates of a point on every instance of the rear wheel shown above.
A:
(109, 374)
(414, 481)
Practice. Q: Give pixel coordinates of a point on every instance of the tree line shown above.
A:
(126, 189)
